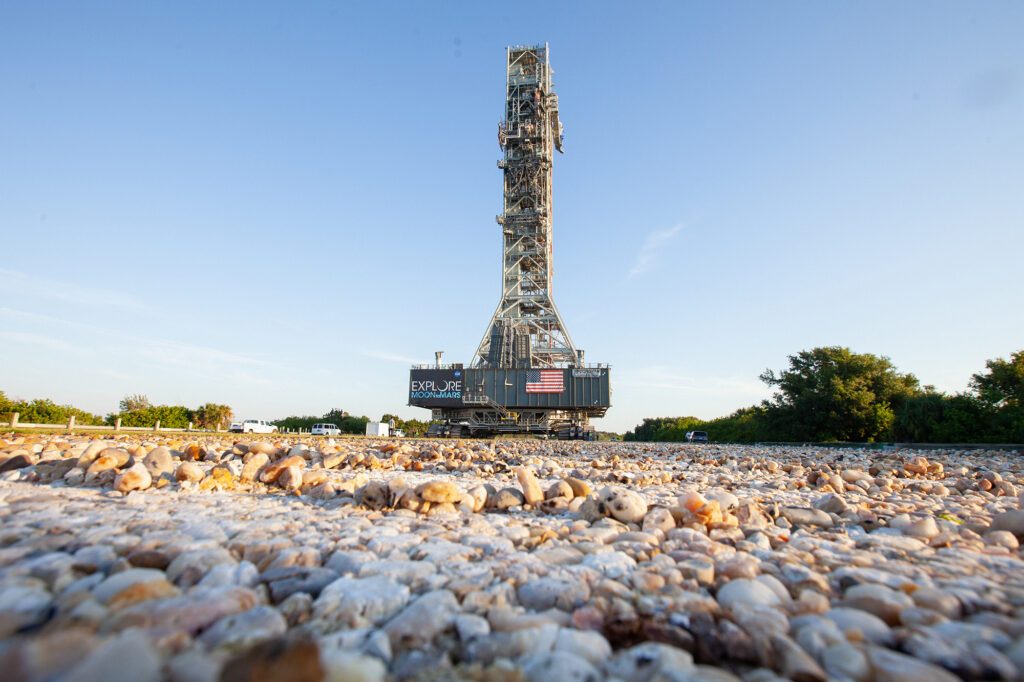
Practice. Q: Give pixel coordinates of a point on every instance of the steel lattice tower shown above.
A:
(527, 329)
(526, 376)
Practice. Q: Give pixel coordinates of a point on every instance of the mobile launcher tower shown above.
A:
(527, 375)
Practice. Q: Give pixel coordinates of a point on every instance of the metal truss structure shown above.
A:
(526, 330)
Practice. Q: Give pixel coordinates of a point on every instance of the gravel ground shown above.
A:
(150, 558)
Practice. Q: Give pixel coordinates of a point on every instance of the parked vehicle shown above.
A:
(325, 430)
(697, 436)
(378, 429)
(252, 426)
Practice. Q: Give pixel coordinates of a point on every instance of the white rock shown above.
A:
(658, 518)
(845, 661)
(890, 666)
(349, 561)
(831, 504)
(135, 477)
(119, 582)
(737, 594)
(129, 657)
(558, 665)
(426, 617)
(587, 644)
(726, 500)
(188, 568)
(545, 593)
(243, 574)
(615, 565)
(354, 602)
(240, 631)
(776, 586)
(159, 461)
(759, 620)
(22, 606)
(1011, 520)
(513, 644)
(973, 633)
(878, 600)
(193, 665)
(1002, 538)
(623, 504)
(871, 627)
(350, 666)
(916, 527)
(806, 516)
(369, 641)
(937, 600)
(407, 572)
(650, 661)
(470, 626)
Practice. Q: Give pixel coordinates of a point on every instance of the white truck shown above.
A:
(378, 429)
(252, 426)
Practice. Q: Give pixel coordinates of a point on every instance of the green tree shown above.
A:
(1002, 382)
(169, 416)
(213, 416)
(934, 417)
(415, 428)
(919, 417)
(131, 403)
(296, 423)
(664, 429)
(343, 420)
(834, 394)
(745, 425)
(353, 425)
(1001, 387)
(45, 411)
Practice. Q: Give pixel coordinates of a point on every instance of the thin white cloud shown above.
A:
(164, 353)
(24, 314)
(647, 256)
(42, 340)
(388, 356)
(22, 284)
(119, 376)
(187, 355)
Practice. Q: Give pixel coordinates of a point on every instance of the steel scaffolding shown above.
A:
(527, 330)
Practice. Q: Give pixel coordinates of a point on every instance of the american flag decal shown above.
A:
(544, 381)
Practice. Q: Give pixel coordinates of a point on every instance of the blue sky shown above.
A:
(280, 205)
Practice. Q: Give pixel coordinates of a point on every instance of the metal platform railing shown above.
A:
(482, 399)
(458, 365)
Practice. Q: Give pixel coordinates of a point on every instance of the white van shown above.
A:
(252, 426)
(325, 430)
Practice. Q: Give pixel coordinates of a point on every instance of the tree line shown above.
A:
(137, 410)
(345, 422)
(44, 411)
(831, 394)
(133, 410)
